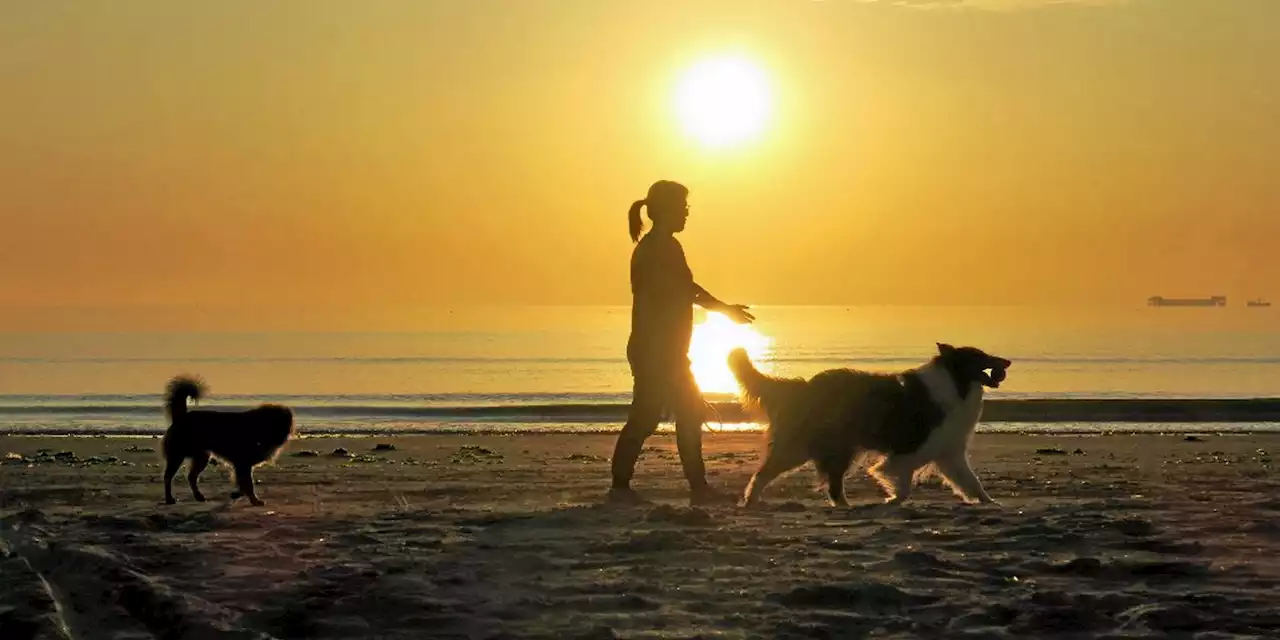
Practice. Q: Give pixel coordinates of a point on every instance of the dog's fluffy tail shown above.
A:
(180, 390)
(758, 388)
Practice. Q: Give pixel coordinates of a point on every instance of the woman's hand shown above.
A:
(735, 312)
(738, 313)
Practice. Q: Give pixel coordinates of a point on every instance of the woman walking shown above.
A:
(663, 294)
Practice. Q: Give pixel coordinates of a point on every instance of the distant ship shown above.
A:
(1212, 301)
(1259, 302)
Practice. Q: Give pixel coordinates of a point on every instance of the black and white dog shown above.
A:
(900, 424)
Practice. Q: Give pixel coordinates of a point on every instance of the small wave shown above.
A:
(1031, 410)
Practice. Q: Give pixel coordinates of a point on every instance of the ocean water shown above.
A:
(565, 368)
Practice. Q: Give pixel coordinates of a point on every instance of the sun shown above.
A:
(723, 101)
(713, 339)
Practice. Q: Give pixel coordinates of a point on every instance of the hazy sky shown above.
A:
(241, 162)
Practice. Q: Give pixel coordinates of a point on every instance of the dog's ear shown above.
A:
(944, 348)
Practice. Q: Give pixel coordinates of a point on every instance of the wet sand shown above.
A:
(467, 536)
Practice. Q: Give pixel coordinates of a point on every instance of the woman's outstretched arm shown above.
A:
(736, 312)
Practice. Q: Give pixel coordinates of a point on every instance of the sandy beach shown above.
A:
(458, 536)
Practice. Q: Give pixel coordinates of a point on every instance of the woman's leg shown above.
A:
(642, 421)
(691, 414)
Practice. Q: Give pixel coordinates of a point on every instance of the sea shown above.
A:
(563, 369)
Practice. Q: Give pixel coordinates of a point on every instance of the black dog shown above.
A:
(243, 439)
(901, 423)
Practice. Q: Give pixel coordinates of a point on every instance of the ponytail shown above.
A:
(634, 222)
(663, 194)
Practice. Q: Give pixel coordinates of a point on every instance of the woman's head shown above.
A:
(668, 204)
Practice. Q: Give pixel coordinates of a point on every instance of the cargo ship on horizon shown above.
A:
(1258, 302)
(1211, 301)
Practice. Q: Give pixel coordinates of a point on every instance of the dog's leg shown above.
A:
(244, 479)
(781, 458)
(960, 477)
(171, 467)
(198, 464)
(831, 470)
(895, 475)
(835, 488)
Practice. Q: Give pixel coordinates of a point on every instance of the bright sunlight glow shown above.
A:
(713, 339)
(723, 101)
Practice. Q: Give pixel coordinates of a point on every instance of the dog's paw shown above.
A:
(199, 497)
(170, 501)
(256, 502)
(235, 495)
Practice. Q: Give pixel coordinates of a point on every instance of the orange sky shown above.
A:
(227, 160)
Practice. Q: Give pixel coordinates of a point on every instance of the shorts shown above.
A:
(666, 388)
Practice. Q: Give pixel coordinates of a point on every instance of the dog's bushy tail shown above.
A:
(180, 390)
(758, 388)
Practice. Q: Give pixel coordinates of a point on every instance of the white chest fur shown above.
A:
(962, 414)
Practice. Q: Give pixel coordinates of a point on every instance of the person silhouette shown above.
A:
(663, 294)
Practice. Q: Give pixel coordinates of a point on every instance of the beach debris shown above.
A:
(1051, 451)
(727, 456)
(307, 453)
(1193, 439)
(584, 457)
(340, 453)
(133, 448)
(1078, 452)
(102, 460)
(43, 456)
(384, 446)
(475, 454)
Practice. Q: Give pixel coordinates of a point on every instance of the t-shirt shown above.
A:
(662, 293)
